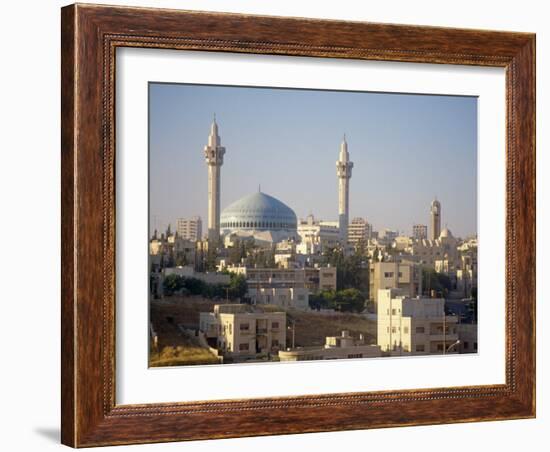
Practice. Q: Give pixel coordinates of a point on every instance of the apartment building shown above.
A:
(243, 333)
(415, 326)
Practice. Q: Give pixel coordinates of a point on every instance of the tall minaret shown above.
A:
(343, 171)
(213, 153)
(435, 212)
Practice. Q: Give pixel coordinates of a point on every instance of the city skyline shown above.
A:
(288, 141)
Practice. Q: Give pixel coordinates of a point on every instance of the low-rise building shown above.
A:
(317, 236)
(242, 333)
(287, 287)
(415, 326)
(336, 347)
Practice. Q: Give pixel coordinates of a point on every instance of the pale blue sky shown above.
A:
(406, 149)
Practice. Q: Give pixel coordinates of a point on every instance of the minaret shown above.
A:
(343, 171)
(435, 212)
(213, 153)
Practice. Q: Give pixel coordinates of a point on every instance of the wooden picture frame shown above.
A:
(90, 35)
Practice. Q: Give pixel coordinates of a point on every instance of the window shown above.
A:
(400, 274)
(393, 312)
(466, 345)
(475, 345)
(274, 343)
(243, 347)
(393, 329)
(355, 355)
(420, 348)
(388, 274)
(406, 329)
(439, 347)
(406, 347)
(274, 325)
(245, 326)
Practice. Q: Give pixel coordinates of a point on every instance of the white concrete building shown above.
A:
(317, 236)
(415, 326)
(244, 334)
(336, 347)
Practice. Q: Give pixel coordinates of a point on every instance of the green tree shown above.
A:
(349, 300)
(195, 286)
(238, 286)
(173, 283)
(432, 280)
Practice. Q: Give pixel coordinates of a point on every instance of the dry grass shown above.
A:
(312, 328)
(176, 348)
(179, 349)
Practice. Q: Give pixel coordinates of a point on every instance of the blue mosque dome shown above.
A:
(259, 213)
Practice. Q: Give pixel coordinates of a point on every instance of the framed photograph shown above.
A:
(281, 225)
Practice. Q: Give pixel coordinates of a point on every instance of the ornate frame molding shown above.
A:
(90, 37)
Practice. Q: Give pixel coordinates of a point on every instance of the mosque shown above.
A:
(259, 215)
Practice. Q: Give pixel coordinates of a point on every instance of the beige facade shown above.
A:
(429, 251)
(415, 326)
(288, 287)
(406, 276)
(317, 236)
(277, 286)
(359, 231)
(241, 334)
(336, 347)
(320, 278)
(189, 228)
(420, 231)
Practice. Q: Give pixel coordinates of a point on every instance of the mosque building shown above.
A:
(259, 215)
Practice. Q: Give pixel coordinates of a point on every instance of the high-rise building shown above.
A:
(420, 231)
(213, 153)
(343, 171)
(359, 230)
(435, 212)
(190, 228)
